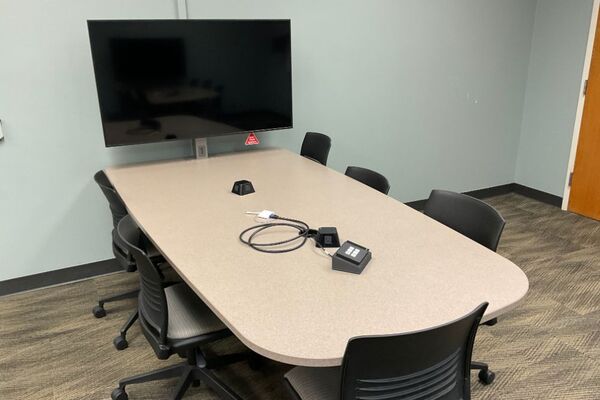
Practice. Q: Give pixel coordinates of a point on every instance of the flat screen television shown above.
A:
(163, 80)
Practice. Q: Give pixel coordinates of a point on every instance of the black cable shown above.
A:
(303, 235)
(318, 246)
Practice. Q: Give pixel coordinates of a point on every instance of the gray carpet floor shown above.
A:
(51, 347)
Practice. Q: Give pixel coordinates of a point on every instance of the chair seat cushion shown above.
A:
(188, 315)
(315, 383)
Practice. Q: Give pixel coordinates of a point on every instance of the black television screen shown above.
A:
(182, 79)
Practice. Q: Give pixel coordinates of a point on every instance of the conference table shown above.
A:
(293, 307)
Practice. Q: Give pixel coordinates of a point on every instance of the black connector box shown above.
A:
(328, 237)
(351, 257)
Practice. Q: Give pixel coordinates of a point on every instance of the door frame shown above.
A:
(581, 103)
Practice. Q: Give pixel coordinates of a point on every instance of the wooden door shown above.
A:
(585, 185)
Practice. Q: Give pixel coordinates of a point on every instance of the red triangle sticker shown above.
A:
(252, 139)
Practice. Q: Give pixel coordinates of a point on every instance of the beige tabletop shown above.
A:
(293, 307)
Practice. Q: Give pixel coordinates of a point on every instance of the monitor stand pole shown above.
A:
(200, 147)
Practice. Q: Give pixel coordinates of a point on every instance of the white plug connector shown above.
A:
(264, 214)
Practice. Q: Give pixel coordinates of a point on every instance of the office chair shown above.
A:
(316, 147)
(118, 211)
(428, 364)
(174, 321)
(468, 216)
(369, 178)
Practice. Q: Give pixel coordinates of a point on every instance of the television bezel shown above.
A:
(199, 136)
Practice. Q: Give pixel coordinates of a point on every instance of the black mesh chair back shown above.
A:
(471, 217)
(316, 147)
(117, 208)
(431, 364)
(152, 302)
(369, 178)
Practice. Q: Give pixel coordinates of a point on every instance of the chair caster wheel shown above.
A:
(491, 322)
(99, 312)
(486, 376)
(119, 394)
(120, 343)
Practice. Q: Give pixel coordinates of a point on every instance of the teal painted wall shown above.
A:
(557, 56)
(430, 93)
(51, 213)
